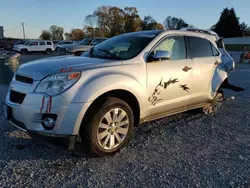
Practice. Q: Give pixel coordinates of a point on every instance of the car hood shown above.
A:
(39, 69)
(20, 46)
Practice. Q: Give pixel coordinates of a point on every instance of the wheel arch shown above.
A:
(219, 78)
(24, 49)
(122, 94)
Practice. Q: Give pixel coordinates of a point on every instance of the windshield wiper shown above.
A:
(109, 53)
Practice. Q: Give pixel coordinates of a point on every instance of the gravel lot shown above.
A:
(186, 150)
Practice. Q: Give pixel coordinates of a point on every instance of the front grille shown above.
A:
(17, 97)
(24, 79)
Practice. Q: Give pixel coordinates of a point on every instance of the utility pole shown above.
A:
(23, 31)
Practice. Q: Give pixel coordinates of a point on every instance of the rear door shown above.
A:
(205, 59)
(42, 46)
(169, 81)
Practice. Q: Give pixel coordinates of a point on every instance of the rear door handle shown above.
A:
(186, 68)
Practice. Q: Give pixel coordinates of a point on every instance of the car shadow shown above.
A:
(20, 146)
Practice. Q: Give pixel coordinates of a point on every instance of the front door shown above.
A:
(169, 81)
(34, 46)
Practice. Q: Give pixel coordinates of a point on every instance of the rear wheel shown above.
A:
(108, 128)
(24, 51)
(48, 51)
(215, 104)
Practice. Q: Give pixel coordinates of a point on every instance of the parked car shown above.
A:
(55, 41)
(83, 46)
(9, 46)
(35, 46)
(120, 83)
(61, 44)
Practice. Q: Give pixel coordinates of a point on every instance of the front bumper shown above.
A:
(30, 112)
(62, 141)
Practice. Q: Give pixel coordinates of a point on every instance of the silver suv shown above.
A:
(83, 46)
(120, 83)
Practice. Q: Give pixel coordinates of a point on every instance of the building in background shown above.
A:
(1, 32)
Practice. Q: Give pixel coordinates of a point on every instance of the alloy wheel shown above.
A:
(113, 128)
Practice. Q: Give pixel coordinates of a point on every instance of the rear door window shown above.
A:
(199, 47)
(42, 43)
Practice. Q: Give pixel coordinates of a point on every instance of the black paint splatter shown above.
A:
(185, 88)
(153, 99)
(166, 84)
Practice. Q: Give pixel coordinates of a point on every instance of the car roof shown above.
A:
(205, 31)
(153, 33)
(211, 37)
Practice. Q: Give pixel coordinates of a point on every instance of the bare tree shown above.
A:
(174, 23)
(91, 20)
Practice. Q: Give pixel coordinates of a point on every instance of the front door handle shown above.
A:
(186, 68)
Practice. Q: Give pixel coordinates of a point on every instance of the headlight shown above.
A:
(57, 83)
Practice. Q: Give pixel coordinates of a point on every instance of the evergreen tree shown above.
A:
(228, 24)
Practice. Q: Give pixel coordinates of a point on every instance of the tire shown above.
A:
(215, 104)
(24, 51)
(78, 53)
(48, 51)
(92, 134)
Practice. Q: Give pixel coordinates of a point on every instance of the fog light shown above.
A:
(49, 123)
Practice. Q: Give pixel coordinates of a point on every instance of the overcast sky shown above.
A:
(71, 13)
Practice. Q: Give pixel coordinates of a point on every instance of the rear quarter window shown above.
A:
(214, 50)
(200, 47)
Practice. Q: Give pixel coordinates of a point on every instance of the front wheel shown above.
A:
(23, 52)
(108, 128)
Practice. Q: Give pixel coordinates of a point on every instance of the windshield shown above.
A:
(122, 47)
(59, 43)
(27, 43)
(86, 41)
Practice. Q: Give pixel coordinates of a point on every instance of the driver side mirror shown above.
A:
(160, 55)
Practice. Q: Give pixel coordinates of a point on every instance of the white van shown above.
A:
(35, 46)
